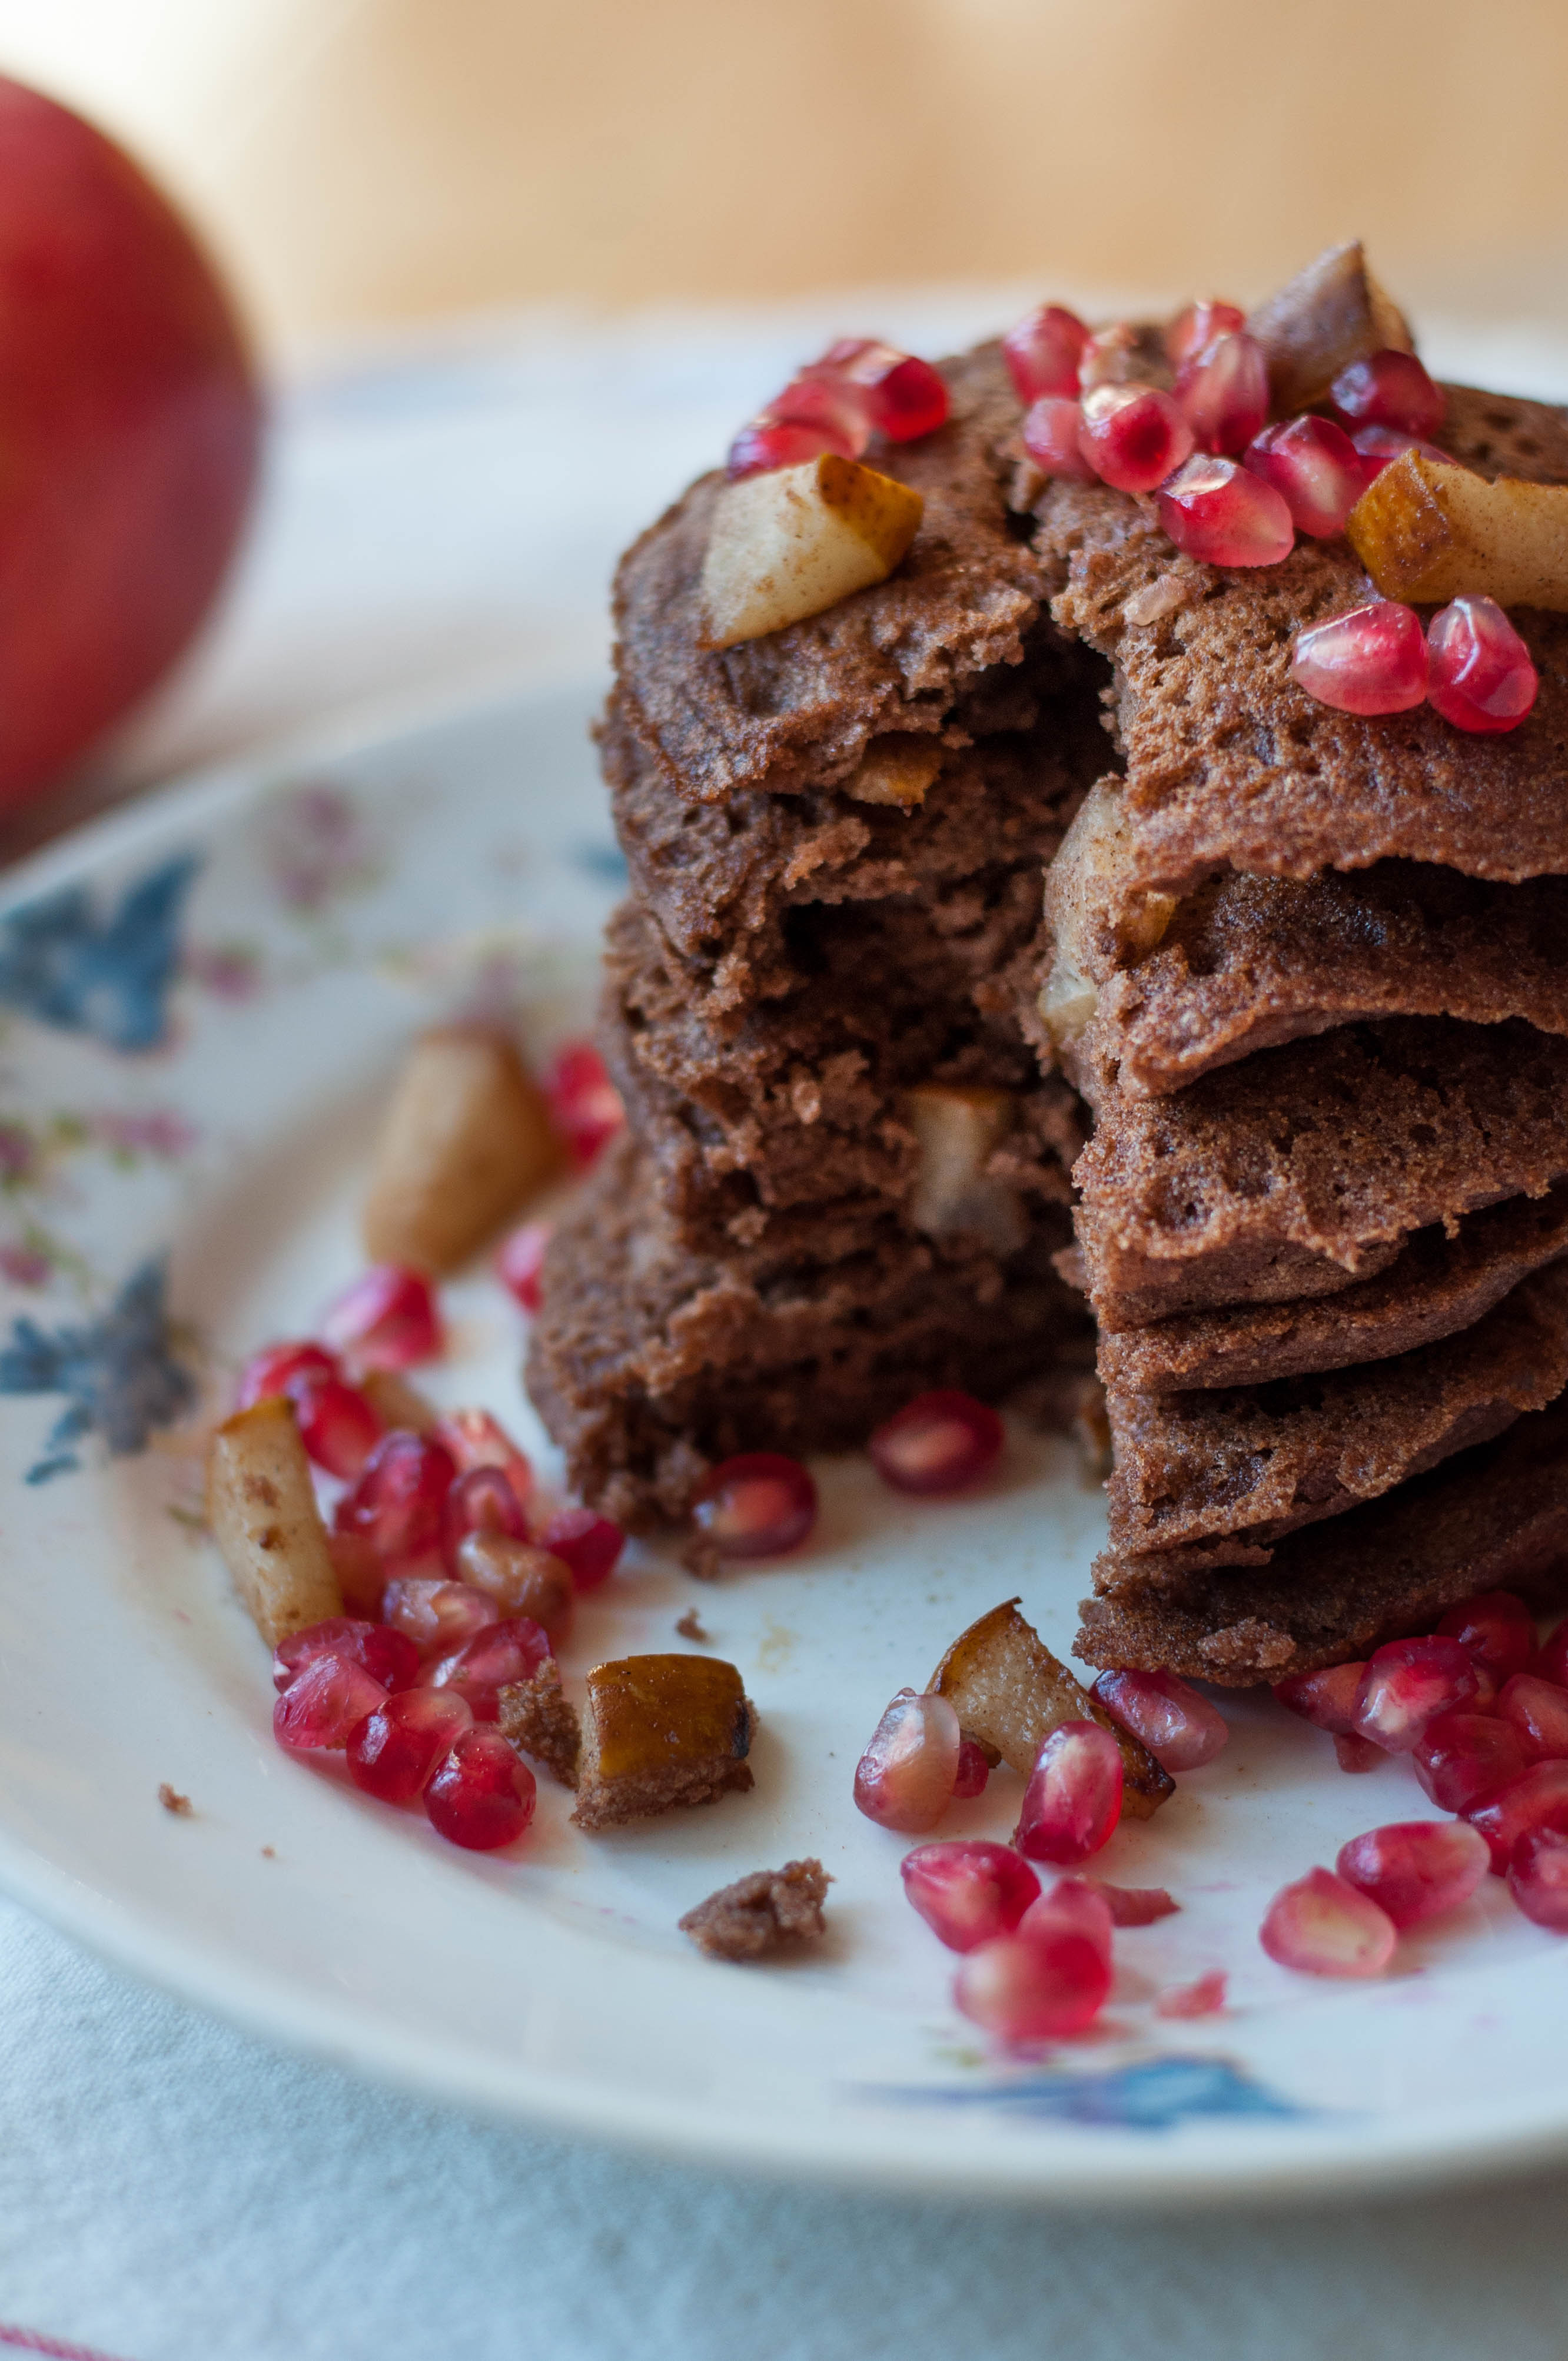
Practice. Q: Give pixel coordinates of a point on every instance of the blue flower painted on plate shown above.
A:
(1152, 2095)
(105, 973)
(604, 861)
(118, 1373)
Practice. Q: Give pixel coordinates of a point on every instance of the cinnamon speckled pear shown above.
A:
(1428, 530)
(793, 543)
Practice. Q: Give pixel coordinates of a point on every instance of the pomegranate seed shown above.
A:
(1073, 1800)
(1108, 356)
(1538, 1799)
(1415, 1869)
(762, 446)
(1050, 437)
(392, 1753)
(905, 1778)
(1327, 1699)
(1043, 351)
(1465, 1756)
(1374, 446)
(1078, 1902)
(385, 1655)
(1538, 1877)
(1356, 1753)
(320, 1707)
(1181, 1729)
(361, 1575)
(1480, 675)
(278, 1369)
(386, 1320)
(975, 1772)
(1324, 1926)
(522, 1259)
(941, 1441)
(906, 397)
(759, 1504)
(1550, 1662)
(1316, 470)
(481, 1795)
(521, 1579)
(1039, 1987)
(1223, 392)
(589, 1546)
(1409, 1683)
(475, 1439)
(1493, 1629)
(1192, 330)
(484, 1666)
(1204, 1996)
(823, 397)
(482, 1501)
(437, 1616)
(1134, 436)
(398, 1500)
(585, 1105)
(1372, 660)
(968, 1893)
(1391, 388)
(1536, 1712)
(339, 1428)
(1215, 511)
(1136, 1906)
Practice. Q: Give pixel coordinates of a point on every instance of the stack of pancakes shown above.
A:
(1305, 969)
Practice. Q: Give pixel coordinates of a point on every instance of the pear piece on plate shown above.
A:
(795, 541)
(1330, 314)
(261, 1507)
(1428, 530)
(464, 1141)
(658, 1731)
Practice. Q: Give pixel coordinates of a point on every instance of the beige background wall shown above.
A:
(366, 161)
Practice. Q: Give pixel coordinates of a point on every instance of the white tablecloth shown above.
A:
(171, 2191)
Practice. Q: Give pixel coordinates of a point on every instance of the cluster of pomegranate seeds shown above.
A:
(1323, 1925)
(941, 1441)
(1481, 677)
(386, 1319)
(1316, 470)
(904, 1780)
(1181, 1729)
(759, 1504)
(522, 1260)
(1134, 436)
(1372, 660)
(585, 1105)
(861, 387)
(1219, 511)
(968, 1892)
(1073, 1799)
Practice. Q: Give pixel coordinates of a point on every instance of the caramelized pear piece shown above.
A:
(897, 769)
(956, 1127)
(1430, 531)
(464, 1141)
(1099, 919)
(658, 1731)
(1332, 313)
(261, 1506)
(1009, 1693)
(793, 543)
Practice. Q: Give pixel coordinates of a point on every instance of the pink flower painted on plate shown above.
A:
(158, 1131)
(228, 971)
(320, 847)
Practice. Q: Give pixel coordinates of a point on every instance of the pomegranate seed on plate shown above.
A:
(1550, 1662)
(1134, 436)
(1050, 433)
(386, 1320)
(1415, 1869)
(1316, 470)
(1538, 1877)
(479, 1670)
(1495, 1628)
(1537, 1711)
(1204, 1996)
(476, 1439)
(1407, 1684)
(1391, 388)
(1223, 392)
(521, 1578)
(1078, 1902)
(322, 1705)
(437, 1616)
(590, 1546)
(1372, 660)
(1538, 1799)
(1040, 1987)
(1353, 1753)
(1322, 1925)
(585, 1105)
(906, 397)
(941, 1441)
(759, 1504)
(975, 1772)
(279, 1369)
(1043, 352)
(1463, 1756)
(362, 1576)
(1198, 326)
(392, 1753)
(763, 445)
(522, 1259)
(1073, 1799)
(1326, 1698)
(399, 1495)
(482, 1501)
(968, 1893)
(1136, 1906)
(481, 1795)
(384, 1653)
(905, 1778)
(1480, 675)
(1181, 1729)
(1215, 511)
(338, 1427)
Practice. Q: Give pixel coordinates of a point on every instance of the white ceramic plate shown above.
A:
(200, 1001)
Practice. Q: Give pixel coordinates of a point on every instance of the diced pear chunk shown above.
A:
(1100, 920)
(261, 1507)
(1330, 314)
(957, 1125)
(1430, 531)
(660, 1732)
(793, 543)
(898, 769)
(466, 1140)
(1009, 1693)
